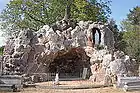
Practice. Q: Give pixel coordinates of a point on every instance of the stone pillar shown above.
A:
(108, 38)
(102, 37)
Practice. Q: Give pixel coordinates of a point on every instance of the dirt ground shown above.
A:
(72, 84)
(95, 90)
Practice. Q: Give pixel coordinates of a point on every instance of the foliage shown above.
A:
(118, 36)
(92, 10)
(32, 14)
(1, 50)
(131, 36)
(99, 47)
(134, 16)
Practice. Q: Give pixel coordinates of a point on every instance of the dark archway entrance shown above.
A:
(70, 63)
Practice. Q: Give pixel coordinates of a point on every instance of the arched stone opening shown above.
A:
(70, 63)
(96, 36)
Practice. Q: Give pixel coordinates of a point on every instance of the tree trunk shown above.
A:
(67, 12)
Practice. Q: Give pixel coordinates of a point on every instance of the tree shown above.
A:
(131, 27)
(23, 14)
(118, 36)
(91, 10)
(134, 16)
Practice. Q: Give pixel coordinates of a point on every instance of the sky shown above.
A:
(119, 8)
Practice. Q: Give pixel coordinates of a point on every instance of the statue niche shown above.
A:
(91, 37)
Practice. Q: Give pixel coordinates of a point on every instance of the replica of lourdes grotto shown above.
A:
(67, 47)
(67, 50)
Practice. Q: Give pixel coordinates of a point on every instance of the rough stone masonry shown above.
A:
(68, 47)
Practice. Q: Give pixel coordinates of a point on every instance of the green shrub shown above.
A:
(1, 50)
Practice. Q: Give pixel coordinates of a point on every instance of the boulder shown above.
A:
(9, 47)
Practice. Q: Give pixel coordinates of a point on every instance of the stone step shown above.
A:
(8, 87)
(133, 83)
(12, 82)
(11, 79)
(128, 88)
(122, 80)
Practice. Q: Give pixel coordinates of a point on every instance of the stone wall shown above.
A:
(61, 44)
(35, 52)
(106, 67)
